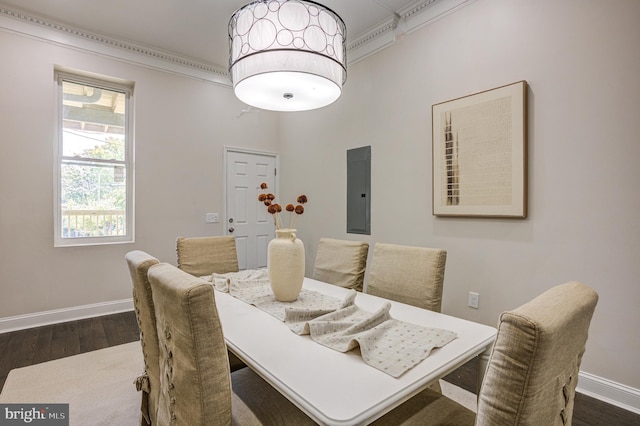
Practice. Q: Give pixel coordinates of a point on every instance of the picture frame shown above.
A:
(479, 154)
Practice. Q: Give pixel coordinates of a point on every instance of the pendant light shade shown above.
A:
(287, 55)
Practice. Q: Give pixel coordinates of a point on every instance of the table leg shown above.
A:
(483, 362)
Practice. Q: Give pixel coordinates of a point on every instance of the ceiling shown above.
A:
(194, 29)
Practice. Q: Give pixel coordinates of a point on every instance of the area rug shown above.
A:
(461, 396)
(98, 386)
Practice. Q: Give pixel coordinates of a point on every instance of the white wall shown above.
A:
(582, 62)
(182, 125)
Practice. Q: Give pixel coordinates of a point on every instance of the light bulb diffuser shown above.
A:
(287, 55)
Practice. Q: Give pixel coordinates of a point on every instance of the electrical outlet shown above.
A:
(474, 299)
(212, 218)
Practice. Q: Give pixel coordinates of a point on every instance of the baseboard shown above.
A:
(38, 319)
(613, 393)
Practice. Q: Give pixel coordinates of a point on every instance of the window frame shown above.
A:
(106, 83)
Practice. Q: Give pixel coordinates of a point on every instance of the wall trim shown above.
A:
(428, 11)
(608, 391)
(417, 15)
(63, 35)
(37, 319)
(375, 39)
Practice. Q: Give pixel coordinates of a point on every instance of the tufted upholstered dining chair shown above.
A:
(195, 381)
(202, 256)
(139, 263)
(341, 262)
(411, 275)
(532, 372)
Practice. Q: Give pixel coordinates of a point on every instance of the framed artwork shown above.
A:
(480, 154)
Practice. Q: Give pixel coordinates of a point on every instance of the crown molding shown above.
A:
(372, 41)
(56, 33)
(426, 12)
(377, 38)
(407, 20)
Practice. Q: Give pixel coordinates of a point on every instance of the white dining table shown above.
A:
(336, 388)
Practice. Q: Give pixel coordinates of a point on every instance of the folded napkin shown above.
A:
(297, 316)
(387, 344)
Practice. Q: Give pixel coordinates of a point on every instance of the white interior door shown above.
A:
(247, 219)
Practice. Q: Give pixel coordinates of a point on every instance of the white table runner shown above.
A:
(387, 344)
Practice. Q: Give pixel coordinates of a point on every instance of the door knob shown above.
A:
(231, 229)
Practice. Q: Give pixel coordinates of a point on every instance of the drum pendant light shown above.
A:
(287, 55)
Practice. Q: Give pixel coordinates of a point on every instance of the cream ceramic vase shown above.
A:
(285, 263)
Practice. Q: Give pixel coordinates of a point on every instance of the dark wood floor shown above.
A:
(35, 345)
(40, 344)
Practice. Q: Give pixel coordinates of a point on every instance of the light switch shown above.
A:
(474, 299)
(212, 218)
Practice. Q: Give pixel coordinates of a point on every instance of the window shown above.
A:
(94, 170)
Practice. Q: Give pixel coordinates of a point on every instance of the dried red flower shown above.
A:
(274, 208)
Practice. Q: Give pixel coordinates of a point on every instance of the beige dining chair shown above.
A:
(203, 256)
(139, 263)
(341, 262)
(411, 275)
(532, 372)
(196, 386)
